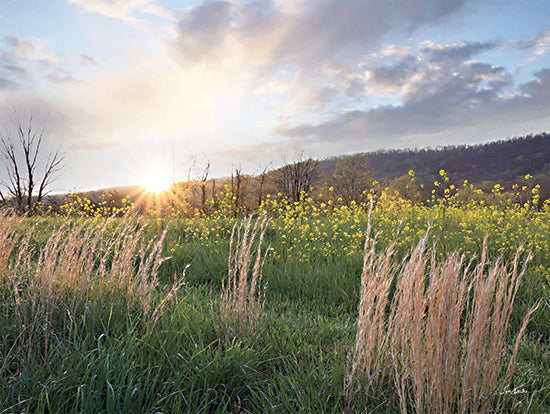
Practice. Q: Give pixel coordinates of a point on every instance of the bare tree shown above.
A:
(203, 179)
(197, 177)
(297, 177)
(214, 196)
(238, 188)
(29, 172)
(351, 177)
(261, 179)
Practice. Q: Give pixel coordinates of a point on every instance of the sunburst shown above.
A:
(156, 181)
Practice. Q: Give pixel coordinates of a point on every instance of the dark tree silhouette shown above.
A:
(351, 178)
(238, 190)
(295, 177)
(261, 178)
(30, 172)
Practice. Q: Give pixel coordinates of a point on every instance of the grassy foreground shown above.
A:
(103, 315)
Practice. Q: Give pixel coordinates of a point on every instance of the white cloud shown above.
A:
(121, 9)
(391, 51)
(261, 75)
(314, 47)
(455, 103)
(537, 44)
(26, 61)
(30, 49)
(273, 35)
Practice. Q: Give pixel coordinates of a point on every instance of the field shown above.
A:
(195, 315)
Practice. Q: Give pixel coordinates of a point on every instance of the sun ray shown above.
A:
(156, 181)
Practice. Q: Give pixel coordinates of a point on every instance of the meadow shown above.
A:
(309, 306)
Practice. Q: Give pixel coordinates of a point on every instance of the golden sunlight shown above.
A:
(156, 181)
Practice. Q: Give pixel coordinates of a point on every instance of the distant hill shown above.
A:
(504, 162)
(500, 161)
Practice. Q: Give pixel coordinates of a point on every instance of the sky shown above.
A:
(129, 87)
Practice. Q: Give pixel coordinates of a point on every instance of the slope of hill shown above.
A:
(500, 161)
(504, 162)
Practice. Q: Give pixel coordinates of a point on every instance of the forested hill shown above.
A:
(495, 161)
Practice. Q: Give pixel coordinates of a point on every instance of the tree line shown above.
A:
(409, 174)
(503, 160)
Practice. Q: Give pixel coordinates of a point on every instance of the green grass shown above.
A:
(104, 355)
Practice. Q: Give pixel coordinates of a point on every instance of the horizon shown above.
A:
(155, 187)
(134, 88)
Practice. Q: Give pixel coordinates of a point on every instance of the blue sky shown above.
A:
(130, 86)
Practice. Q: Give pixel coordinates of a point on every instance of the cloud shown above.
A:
(268, 34)
(60, 78)
(255, 76)
(26, 63)
(149, 99)
(396, 74)
(120, 9)
(7, 84)
(537, 44)
(435, 115)
(538, 90)
(16, 70)
(11, 75)
(314, 47)
(20, 58)
(428, 65)
(87, 60)
(204, 28)
(336, 81)
(456, 51)
(442, 90)
(16, 49)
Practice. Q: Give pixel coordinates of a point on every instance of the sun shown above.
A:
(156, 181)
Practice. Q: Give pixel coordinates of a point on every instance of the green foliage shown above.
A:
(103, 355)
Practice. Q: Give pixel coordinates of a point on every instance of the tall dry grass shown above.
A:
(243, 295)
(436, 333)
(87, 272)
